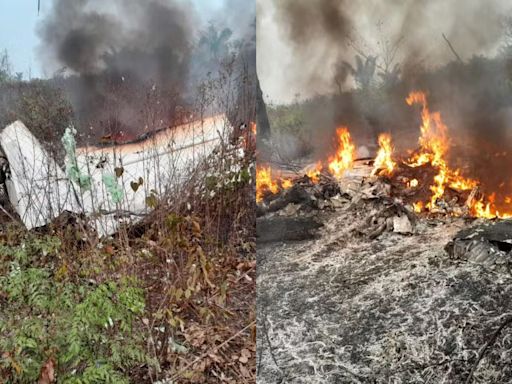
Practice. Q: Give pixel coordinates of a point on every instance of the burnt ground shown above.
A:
(342, 308)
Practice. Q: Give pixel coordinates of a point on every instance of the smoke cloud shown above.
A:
(115, 58)
(150, 40)
(121, 45)
(309, 38)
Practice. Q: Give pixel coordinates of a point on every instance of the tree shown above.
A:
(364, 71)
(262, 121)
(216, 42)
(390, 78)
(5, 67)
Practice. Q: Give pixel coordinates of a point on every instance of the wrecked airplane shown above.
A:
(110, 184)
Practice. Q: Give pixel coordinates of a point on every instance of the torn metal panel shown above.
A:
(488, 243)
(146, 167)
(37, 187)
(40, 190)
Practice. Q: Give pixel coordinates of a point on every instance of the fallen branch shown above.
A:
(122, 213)
(8, 214)
(372, 235)
(486, 346)
(178, 374)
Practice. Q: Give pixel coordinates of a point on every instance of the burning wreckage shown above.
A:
(390, 269)
(423, 184)
(110, 184)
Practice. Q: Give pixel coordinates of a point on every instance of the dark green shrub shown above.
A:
(85, 330)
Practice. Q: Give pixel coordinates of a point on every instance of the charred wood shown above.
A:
(279, 229)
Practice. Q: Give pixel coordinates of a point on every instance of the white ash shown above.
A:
(397, 309)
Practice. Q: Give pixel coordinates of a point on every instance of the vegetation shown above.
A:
(168, 299)
(172, 296)
(38, 103)
(78, 332)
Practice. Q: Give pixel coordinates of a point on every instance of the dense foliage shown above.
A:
(81, 331)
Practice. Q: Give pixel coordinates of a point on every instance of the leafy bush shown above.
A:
(287, 119)
(83, 331)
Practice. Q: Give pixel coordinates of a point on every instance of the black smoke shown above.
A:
(113, 54)
(321, 27)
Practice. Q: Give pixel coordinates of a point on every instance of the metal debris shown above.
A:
(40, 191)
(488, 244)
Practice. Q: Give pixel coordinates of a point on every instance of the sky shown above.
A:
(18, 25)
(18, 20)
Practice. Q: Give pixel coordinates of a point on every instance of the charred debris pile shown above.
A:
(391, 192)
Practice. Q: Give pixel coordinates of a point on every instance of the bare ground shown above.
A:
(345, 309)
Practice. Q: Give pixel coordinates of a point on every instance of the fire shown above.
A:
(264, 182)
(480, 209)
(488, 209)
(418, 207)
(384, 164)
(314, 174)
(344, 157)
(433, 140)
(434, 145)
(286, 183)
(271, 182)
(462, 184)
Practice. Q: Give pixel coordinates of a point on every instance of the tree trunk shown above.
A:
(262, 123)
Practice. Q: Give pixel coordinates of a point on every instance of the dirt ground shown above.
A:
(342, 308)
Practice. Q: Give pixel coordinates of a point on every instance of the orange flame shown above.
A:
(264, 182)
(384, 163)
(418, 207)
(344, 157)
(488, 210)
(314, 174)
(286, 183)
(268, 182)
(434, 145)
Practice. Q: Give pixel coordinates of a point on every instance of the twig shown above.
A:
(486, 346)
(376, 232)
(178, 374)
(451, 48)
(122, 213)
(364, 55)
(270, 349)
(8, 214)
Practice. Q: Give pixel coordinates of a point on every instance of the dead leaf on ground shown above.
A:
(245, 371)
(47, 375)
